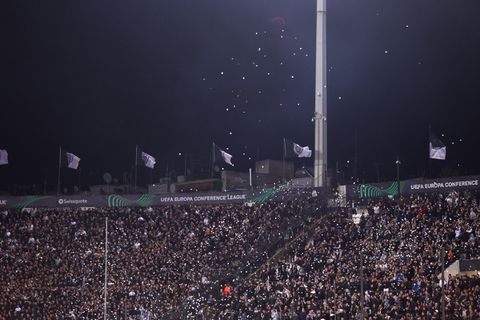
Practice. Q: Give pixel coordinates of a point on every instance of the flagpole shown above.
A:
(212, 167)
(284, 151)
(59, 165)
(429, 159)
(398, 163)
(136, 164)
(250, 178)
(355, 159)
(105, 284)
(151, 175)
(185, 166)
(167, 174)
(79, 179)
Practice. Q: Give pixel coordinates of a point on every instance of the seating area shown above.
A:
(277, 260)
(52, 261)
(318, 276)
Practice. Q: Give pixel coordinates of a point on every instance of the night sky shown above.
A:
(99, 77)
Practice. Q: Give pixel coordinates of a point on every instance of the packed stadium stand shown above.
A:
(52, 261)
(290, 259)
(318, 277)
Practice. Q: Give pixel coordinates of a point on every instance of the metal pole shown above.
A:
(59, 171)
(398, 176)
(335, 294)
(355, 158)
(105, 285)
(136, 163)
(212, 168)
(429, 159)
(80, 179)
(250, 177)
(185, 166)
(362, 296)
(45, 184)
(283, 163)
(443, 283)
(320, 163)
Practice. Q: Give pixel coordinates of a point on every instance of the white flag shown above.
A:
(302, 152)
(227, 157)
(220, 155)
(437, 149)
(148, 160)
(438, 153)
(3, 157)
(294, 150)
(72, 161)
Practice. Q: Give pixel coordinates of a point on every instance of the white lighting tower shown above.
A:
(320, 116)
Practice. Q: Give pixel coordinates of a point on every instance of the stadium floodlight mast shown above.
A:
(320, 117)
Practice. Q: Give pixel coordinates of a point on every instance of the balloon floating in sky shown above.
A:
(279, 21)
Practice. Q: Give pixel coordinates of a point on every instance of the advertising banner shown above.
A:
(147, 200)
(414, 186)
(144, 200)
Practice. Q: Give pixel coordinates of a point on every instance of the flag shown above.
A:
(437, 148)
(148, 160)
(69, 160)
(294, 150)
(220, 155)
(3, 157)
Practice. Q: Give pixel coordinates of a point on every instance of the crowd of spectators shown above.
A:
(319, 275)
(52, 261)
(218, 262)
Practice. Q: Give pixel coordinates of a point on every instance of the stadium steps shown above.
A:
(280, 253)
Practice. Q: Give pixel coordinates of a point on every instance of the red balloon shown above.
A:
(279, 21)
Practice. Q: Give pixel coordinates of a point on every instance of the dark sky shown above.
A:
(98, 77)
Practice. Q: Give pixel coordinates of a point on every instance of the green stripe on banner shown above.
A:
(144, 200)
(264, 196)
(369, 191)
(28, 201)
